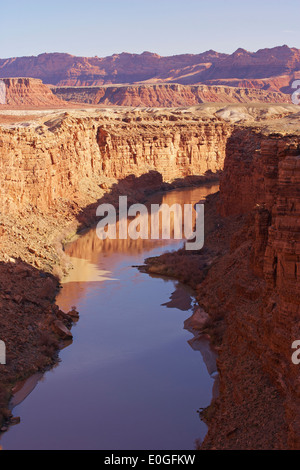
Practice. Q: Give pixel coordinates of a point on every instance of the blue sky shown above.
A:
(97, 27)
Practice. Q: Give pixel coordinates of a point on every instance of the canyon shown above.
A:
(56, 168)
(57, 165)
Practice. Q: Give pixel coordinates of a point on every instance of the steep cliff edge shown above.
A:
(66, 156)
(29, 92)
(254, 289)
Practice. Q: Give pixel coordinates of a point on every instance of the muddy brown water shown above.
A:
(133, 378)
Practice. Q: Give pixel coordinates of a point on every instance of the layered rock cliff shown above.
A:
(166, 95)
(29, 92)
(254, 288)
(67, 157)
(32, 93)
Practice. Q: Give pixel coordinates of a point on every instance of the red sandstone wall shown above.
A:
(167, 95)
(262, 175)
(66, 158)
(29, 92)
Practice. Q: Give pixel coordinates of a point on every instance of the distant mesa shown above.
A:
(148, 79)
(166, 95)
(64, 69)
(31, 92)
(28, 92)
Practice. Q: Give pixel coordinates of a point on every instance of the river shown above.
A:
(131, 378)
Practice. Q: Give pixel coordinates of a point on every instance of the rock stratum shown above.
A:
(57, 166)
(166, 95)
(20, 92)
(30, 93)
(254, 287)
(65, 157)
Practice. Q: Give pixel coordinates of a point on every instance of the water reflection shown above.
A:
(181, 298)
(89, 246)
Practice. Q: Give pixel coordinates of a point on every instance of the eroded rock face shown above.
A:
(260, 275)
(29, 92)
(167, 95)
(273, 83)
(251, 169)
(281, 271)
(66, 158)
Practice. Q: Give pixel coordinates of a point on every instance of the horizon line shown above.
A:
(151, 53)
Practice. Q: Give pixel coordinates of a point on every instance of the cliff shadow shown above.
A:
(138, 189)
